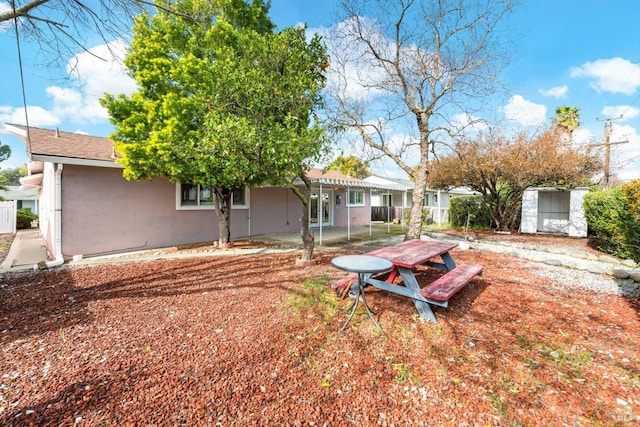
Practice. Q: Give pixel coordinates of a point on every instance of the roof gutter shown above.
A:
(75, 161)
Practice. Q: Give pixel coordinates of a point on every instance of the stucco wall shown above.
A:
(102, 213)
(354, 215)
(273, 210)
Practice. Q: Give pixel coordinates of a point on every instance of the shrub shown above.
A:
(472, 207)
(24, 216)
(613, 218)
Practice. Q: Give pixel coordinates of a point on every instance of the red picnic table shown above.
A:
(409, 254)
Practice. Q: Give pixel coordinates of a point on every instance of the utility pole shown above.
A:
(607, 151)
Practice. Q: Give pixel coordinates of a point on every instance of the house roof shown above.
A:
(47, 145)
(65, 147)
(399, 184)
(14, 192)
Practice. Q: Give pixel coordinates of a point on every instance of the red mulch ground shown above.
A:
(252, 340)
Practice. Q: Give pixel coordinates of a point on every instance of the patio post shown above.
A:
(321, 213)
(348, 213)
(370, 208)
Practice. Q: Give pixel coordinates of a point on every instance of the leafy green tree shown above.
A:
(350, 165)
(224, 102)
(12, 176)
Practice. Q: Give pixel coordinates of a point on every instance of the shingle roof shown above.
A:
(59, 144)
(55, 143)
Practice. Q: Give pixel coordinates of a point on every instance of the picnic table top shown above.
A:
(410, 253)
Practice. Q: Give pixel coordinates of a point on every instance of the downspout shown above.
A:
(57, 208)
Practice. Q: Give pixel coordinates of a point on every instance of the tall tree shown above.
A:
(414, 67)
(223, 101)
(350, 165)
(566, 121)
(501, 169)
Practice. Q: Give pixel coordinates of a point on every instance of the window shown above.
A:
(387, 200)
(194, 196)
(356, 198)
(426, 200)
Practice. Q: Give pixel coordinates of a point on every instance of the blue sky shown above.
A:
(583, 53)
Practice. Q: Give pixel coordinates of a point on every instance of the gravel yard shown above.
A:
(252, 340)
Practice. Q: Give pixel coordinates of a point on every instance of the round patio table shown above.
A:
(362, 265)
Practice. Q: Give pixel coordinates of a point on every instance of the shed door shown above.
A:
(553, 211)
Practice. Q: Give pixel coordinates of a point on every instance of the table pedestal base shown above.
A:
(358, 291)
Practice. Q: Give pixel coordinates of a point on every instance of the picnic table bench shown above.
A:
(406, 256)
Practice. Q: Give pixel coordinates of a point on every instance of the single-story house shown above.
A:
(87, 208)
(552, 210)
(399, 195)
(27, 198)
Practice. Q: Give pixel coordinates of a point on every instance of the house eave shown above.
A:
(75, 161)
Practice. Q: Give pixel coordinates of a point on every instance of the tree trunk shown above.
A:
(308, 240)
(222, 203)
(416, 216)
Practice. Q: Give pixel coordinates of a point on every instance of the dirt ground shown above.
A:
(5, 244)
(253, 340)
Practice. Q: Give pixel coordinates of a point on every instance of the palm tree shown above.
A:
(567, 120)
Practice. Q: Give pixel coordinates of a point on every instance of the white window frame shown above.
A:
(355, 193)
(206, 207)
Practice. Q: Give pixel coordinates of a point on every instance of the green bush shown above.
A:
(472, 206)
(24, 218)
(613, 218)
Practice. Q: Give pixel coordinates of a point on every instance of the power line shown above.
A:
(630, 105)
(24, 92)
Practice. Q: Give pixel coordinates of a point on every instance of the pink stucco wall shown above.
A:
(274, 210)
(103, 213)
(354, 215)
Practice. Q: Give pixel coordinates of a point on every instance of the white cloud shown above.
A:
(583, 136)
(626, 112)
(357, 77)
(524, 112)
(616, 75)
(468, 123)
(38, 116)
(81, 105)
(101, 70)
(558, 92)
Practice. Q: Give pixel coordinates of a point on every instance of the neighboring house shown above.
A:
(400, 195)
(552, 210)
(27, 198)
(87, 208)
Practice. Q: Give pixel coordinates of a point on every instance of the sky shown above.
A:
(583, 53)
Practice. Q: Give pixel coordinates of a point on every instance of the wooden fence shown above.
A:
(8, 217)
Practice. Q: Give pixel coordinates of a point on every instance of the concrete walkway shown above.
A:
(27, 250)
